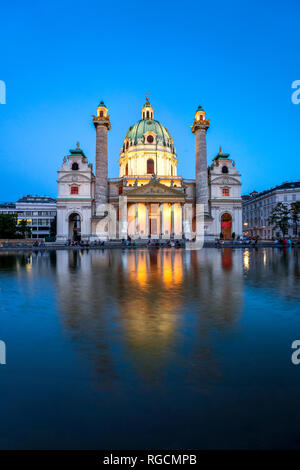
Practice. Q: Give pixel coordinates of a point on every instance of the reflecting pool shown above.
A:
(159, 349)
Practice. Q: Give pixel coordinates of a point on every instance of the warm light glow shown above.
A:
(142, 216)
(102, 111)
(131, 219)
(246, 257)
(166, 219)
(200, 115)
(165, 162)
(265, 258)
(28, 221)
(177, 220)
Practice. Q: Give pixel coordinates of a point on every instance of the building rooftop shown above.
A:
(37, 199)
(283, 186)
(7, 205)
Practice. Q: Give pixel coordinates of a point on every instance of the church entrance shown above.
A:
(75, 227)
(226, 226)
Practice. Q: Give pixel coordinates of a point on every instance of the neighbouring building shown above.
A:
(39, 211)
(158, 199)
(258, 207)
(8, 208)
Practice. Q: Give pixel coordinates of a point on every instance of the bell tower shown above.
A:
(199, 128)
(102, 125)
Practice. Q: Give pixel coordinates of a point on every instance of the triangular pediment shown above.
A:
(225, 180)
(154, 189)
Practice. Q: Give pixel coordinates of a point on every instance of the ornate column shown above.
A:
(172, 219)
(123, 220)
(182, 220)
(147, 219)
(161, 219)
(136, 218)
(102, 125)
(199, 128)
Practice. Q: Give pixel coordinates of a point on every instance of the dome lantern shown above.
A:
(102, 110)
(200, 114)
(147, 110)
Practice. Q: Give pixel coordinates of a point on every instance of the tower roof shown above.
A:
(101, 104)
(221, 155)
(77, 151)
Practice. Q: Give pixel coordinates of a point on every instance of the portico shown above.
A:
(155, 210)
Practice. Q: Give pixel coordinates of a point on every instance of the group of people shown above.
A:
(40, 244)
(253, 240)
(80, 243)
(153, 243)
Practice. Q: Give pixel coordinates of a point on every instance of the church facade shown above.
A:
(148, 199)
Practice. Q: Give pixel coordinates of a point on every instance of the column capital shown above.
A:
(200, 125)
(102, 121)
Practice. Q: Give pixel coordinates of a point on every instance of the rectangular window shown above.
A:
(225, 192)
(74, 189)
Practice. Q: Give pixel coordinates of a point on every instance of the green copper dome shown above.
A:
(137, 132)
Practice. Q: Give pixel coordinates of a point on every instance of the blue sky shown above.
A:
(60, 58)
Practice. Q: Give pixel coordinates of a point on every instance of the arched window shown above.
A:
(75, 166)
(224, 169)
(126, 170)
(150, 166)
(171, 170)
(101, 113)
(127, 144)
(147, 114)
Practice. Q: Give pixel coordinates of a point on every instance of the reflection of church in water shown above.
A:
(149, 302)
(159, 203)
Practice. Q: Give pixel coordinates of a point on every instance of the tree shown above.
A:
(8, 224)
(295, 214)
(280, 217)
(24, 231)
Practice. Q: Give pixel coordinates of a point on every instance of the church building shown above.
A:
(149, 199)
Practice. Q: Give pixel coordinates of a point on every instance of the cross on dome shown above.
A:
(147, 110)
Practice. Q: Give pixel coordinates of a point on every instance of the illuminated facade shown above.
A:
(158, 203)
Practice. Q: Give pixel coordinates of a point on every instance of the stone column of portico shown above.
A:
(172, 220)
(182, 220)
(147, 219)
(199, 128)
(161, 219)
(136, 219)
(102, 125)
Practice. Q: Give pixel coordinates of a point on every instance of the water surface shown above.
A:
(155, 349)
